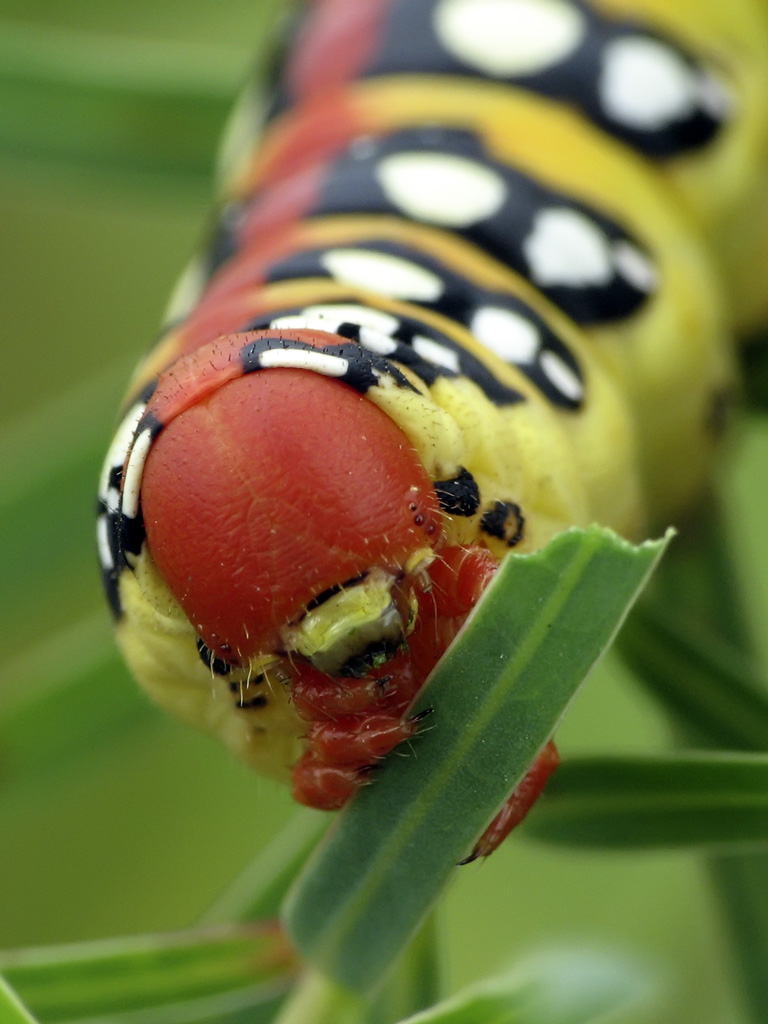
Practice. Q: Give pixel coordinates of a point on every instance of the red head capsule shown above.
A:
(268, 489)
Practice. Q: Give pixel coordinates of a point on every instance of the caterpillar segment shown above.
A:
(479, 281)
(681, 85)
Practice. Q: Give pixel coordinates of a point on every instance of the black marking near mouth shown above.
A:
(459, 496)
(217, 665)
(375, 654)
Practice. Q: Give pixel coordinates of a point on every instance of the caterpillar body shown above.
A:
(478, 281)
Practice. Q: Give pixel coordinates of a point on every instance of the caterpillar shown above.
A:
(478, 279)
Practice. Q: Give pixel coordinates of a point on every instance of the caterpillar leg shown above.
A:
(326, 787)
(518, 805)
(359, 740)
(341, 755)
(317, 696)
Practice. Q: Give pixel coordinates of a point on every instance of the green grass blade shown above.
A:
(564, 988)
(689, 644)
(116, 976)
(51, 459)
(498, 696)
(701, 576)
(63, 688)
(11, 1009)
(690, 800)
(111, 102)
(71, 696)
(698, 676)
(741, 887)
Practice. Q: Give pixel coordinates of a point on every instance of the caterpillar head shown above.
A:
(289, 516)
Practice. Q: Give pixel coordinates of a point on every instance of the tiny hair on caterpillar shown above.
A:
(478, 275)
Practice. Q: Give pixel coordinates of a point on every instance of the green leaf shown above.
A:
(684, 800)
(688, 642)
(11, 1009)
(702, 679)
(498, 696)
(258, 892)
(563, 988)
(59, 983)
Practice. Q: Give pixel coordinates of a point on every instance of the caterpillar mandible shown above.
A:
(477, 281)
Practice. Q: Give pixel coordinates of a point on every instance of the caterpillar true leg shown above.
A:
(518, 805)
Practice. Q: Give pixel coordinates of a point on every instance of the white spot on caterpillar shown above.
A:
(561, 376)
(375, 327)
(435, 353)
(376, 342)
(133, 473)
(307, 321)
(386, 274)
(567, 248)
(441, 188)
(351, 313)
(511, 336)
(646, 84)
(509, 37)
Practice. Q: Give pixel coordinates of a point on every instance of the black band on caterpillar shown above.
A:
(491, 317)
(573, 53)
(505, 212)
(426, 351)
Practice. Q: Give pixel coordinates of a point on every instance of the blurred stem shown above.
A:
(741, 882)
(415, 983)
(699, 574)
(318, 1000)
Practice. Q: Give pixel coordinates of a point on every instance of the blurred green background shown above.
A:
(114, 819)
